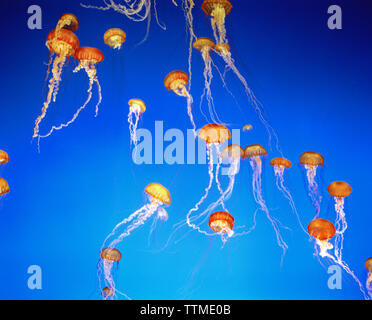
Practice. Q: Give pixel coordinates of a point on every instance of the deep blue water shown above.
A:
(315, 86)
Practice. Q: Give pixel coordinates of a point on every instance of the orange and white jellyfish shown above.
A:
(4, 157)
(339, 190)
(62, 44)
(254, 153)
(217, 10)
(204, 45)
(280, 165)
(88, 58)
(158, 197)
(114, 38)
(213, 135)
(247, 127)
(222, 223)
(176, 81)
(312, 161)
(369, 277)
(4, 187)
(136, 108)
(323, 231)
(68, 21)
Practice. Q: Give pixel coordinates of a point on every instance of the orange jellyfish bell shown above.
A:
(137, 105)
(65, 44)
(223, 48)
(221, 221)
(110, 254)
(339, 189)
(281, 162)
(232, 151)
(158, 192)
(208, 6)
(4, 157)
(312, 159)
(369, 264)
(176, 80)
(254, 150)
(114, 37)
(214, 133)
(89, 54)
(321, 229)
(203, 42)
(107, 292)
(69, 21)
(4, 187)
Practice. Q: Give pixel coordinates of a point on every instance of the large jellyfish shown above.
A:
(88, 58)
(280, 165)
(4, 187)
(254, 153)
(158, 197)
(323, 231)
(369, 277)
(204, 45)
(214, 135)
(114, 38)
(4, 157)
(176, 81)
(311, 161)
(136, 108)
(62, 43)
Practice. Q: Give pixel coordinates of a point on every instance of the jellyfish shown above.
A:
(88, 58)
(254, 153)
(369, 278)
(135, 10)
(204, 45)
(108, 257)
(62, 43)
(214, 135)
(107, 293)
(114, 37)
(4, 187)
(68, 21)
(339, 190)
(217, 10)
(136, 108)
(176, 81)
(222, 223)
(158, 197)
(323, 231)
(311, 161)
(280, 165)
(4, 157)
(247, 127)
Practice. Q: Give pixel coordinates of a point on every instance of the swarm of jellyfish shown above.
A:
(158, 197)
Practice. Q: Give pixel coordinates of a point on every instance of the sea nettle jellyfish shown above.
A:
(158, 197)
(176, 81)
(114, 38)
(369, 277)
(88, 58)
(255, 153)
(311, 162)
(136, 108)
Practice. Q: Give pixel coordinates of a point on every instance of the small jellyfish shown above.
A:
(68, 21)
(217, 10)
(136, 108)
(247, 127)
(176, 81)
(311, 161)
(108, 256)
(4, 157)
(204, 45)
(158, 196)
(107, 293)
(62, 43)
(254, 153)
(339, 190)
(369, 278)
(323, 231)
(222, 223)
(4, 187)
(114, 37)
(280, 165)
(88, 58)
